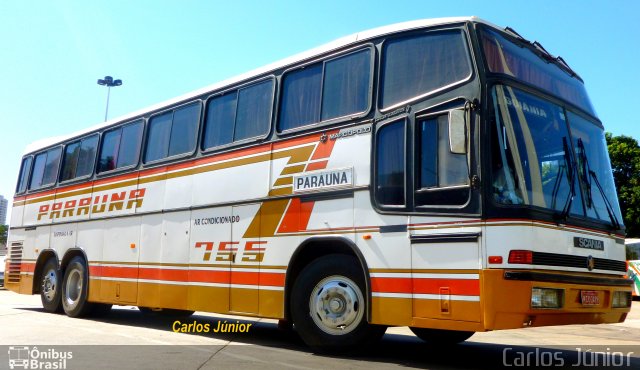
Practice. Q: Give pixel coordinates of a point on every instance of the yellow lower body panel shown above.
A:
(459, 315)
(249, 302)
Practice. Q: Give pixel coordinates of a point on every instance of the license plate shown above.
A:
(589, 298)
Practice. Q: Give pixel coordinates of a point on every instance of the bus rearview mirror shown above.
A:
(458, 131)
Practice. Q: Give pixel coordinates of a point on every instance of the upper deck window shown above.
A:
(45, 168)
(322, 91)
(120, 147)
(173, 133)
(238, 115)
(415, 66)
(79, 158)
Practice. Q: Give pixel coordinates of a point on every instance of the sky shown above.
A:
(53, 52)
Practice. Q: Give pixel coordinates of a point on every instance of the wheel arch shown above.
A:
(44, 256)
(69, 255)
(313, 248)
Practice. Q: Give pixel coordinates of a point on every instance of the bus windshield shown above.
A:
(549, 157)
(505, 57)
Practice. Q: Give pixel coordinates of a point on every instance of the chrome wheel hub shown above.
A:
(49, 285)
(73, 288)
(336, 305)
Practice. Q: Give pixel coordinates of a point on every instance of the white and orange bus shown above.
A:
(446, 175)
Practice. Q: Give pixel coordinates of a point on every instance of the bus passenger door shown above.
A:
(246, 252)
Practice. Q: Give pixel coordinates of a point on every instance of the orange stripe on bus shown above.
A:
(257, 278)
(456, 286)
(425, 286)
(26, 267)
(317, 166)
(391, 285)
(323, 150)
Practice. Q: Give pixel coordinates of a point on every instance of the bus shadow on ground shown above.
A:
(264, 343)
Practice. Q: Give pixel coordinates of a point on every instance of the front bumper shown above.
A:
(507, 298)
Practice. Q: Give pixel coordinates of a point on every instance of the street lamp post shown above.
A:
(108, 81)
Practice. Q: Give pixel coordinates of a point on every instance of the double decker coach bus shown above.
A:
(446, 175)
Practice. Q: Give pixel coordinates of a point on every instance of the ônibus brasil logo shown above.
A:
(24, 357)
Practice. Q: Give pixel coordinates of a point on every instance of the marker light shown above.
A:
(496, 260)
(621, 299)
(520, 257)
(546, 298)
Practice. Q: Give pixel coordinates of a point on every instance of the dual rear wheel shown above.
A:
(68, 293)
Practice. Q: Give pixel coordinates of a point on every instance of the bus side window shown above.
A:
(416, 66)
(443, 176)
(238, 115)
(120, 147)
(326, 90)
(173, 133)
(79, 158)
(390, 164)
(45, 168)
(24, 175)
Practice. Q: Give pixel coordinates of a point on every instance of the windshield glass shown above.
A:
(543, 151)
(506, 57)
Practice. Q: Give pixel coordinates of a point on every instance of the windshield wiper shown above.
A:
(544, 51)
(587, 169)
(566, 65)
(509, 29)
(570, 168)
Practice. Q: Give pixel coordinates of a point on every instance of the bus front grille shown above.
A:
(15, 261)
(566, 260)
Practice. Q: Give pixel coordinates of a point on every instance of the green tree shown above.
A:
(624, 152)
(3, 234)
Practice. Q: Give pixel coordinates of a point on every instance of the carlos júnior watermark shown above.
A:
(579, 357)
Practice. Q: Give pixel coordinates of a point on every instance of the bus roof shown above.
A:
(333, 45)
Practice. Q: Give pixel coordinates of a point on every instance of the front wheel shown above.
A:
(441, 337)
(75, 288)
(329, 308)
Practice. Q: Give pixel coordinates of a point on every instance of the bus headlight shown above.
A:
(621, 299)
(546, 298)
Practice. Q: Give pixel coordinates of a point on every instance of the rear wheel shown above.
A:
(442, 337)
(75, 288)
(51, 286)
(328, 305)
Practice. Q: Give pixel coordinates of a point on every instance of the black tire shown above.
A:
(75, 288)
(333, 280)
(440, 337)
(51, 286)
